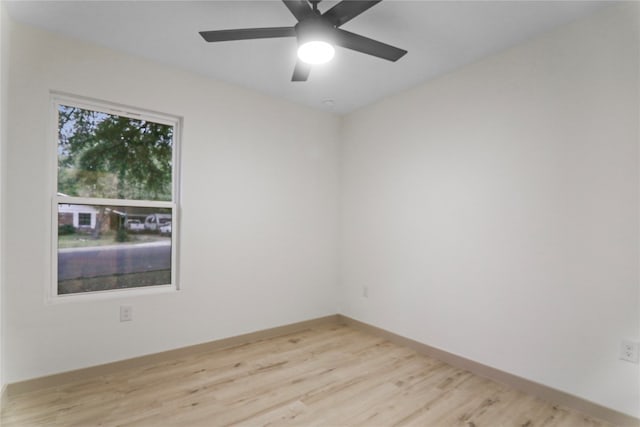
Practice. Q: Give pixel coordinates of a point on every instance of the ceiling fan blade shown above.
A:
(366, 45)
(301, 72)
(299, 8)
(247, 33)
(346, 10)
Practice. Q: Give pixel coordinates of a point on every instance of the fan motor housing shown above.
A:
(314, 28)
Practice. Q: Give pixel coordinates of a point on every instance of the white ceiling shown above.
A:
(439, 35)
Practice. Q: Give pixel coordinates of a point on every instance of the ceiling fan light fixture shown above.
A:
(316, 33)
(316, 52)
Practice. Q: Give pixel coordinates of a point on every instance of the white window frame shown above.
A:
(57, 99)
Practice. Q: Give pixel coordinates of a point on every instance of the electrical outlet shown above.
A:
(126, 313)
(365, 292)
(629, 351)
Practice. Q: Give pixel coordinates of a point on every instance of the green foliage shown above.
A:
(109, 156)
(66, 230)
(122, 235)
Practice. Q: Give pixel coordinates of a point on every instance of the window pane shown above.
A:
(109, 156)
(84, 219)
(121, 247)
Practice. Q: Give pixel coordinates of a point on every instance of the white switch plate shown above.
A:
(629, 351)
(126, 313)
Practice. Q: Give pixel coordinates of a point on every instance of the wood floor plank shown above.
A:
(326, 375)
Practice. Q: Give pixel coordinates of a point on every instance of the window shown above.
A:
(84, 219)
(115, 199)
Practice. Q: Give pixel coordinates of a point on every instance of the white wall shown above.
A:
(258, 219)
(494, 212)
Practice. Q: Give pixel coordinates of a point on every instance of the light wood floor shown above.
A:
(329, 375)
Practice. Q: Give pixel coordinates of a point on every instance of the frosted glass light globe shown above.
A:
(316, 52)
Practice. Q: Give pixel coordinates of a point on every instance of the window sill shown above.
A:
(110, 294)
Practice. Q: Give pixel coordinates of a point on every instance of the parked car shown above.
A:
(165, 229)
(154, 221)
(135, 225)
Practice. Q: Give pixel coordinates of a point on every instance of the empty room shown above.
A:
(320, 213)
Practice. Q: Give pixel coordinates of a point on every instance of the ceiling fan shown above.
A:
(316, 33)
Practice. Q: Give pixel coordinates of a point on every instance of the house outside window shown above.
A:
(115, 199)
